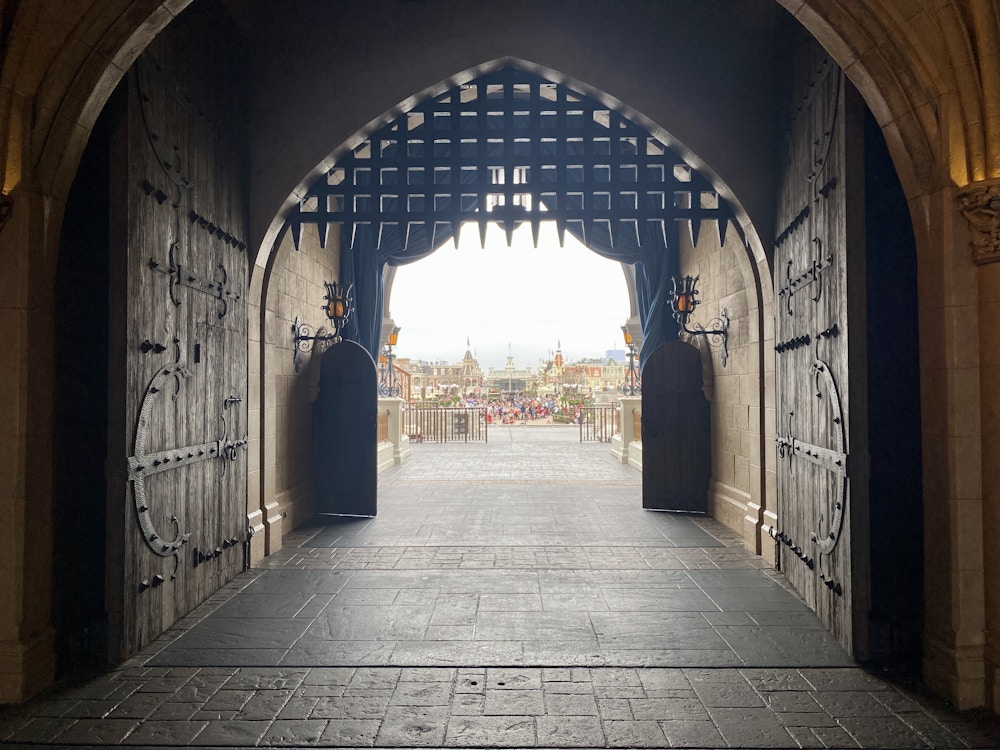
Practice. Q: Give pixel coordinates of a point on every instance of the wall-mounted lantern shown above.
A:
(683, 300)
(338, 308)
(388, 384)
(632, 385)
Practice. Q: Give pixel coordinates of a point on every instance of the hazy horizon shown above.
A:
(530, 300)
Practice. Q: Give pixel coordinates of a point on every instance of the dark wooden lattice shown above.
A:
(510, 147)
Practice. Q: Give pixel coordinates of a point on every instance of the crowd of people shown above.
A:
(513, 409)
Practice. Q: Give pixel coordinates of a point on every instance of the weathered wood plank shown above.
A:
(172, 165)
(821, 398)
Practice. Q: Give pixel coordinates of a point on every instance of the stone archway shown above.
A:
(314, 227)
(932, 119)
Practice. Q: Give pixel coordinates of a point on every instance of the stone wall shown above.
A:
(932, 100)
(294, 289)
(741, 399)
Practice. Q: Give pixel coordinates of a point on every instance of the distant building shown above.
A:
(511, 379)
(437, 379)
(433, 380)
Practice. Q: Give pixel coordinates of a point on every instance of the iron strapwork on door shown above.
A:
(338, 308)
(683, 300)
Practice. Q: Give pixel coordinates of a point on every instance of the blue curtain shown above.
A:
(651, 250)
(365, 264)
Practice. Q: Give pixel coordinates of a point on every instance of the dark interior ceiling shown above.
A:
(710, 74)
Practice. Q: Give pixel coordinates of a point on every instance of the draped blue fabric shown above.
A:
(364, 266)
(651, 250)
(375, 247)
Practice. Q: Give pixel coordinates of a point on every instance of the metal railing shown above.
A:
(637, 424)
(383, 426)
(405, 382)
(597, 423)
(445, 424)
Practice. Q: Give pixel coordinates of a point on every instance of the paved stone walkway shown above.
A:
(512, 594)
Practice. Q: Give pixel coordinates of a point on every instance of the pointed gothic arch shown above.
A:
(65, 84)
(510, 147)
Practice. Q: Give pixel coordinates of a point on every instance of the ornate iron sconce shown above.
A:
(632, 385)
(683, 300)
(338, 308)
(388, 384)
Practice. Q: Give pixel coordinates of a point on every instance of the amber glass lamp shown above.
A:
(338, 307)
(684, 299)
(632, 385)
(388, 383)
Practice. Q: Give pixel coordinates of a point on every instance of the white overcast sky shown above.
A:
(529, 298)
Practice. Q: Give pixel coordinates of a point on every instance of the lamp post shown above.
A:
(632, 385)
(338, 308)
(683, 301)
(389, 384)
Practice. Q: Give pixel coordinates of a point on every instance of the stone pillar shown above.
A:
(400, 441)
(980, 203)
(256, 508)
(273, 335)
(953, 451)
(619, 442)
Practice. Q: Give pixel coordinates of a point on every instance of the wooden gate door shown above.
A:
(345, 432)
(177, 470)
(676, 447)
(820, 337)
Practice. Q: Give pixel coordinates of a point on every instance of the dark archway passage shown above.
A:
(903, 70)
(513, 148)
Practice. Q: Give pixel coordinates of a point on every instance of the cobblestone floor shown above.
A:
(508, 595)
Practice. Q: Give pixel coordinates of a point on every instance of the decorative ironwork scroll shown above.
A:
(137, 465)
(213, 288)
(834, 460)
(813, 274)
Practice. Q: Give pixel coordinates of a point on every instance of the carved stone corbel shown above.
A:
(980, 204)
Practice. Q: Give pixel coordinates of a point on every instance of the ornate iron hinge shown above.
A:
(812, 274)
(142, 464)
(177, 274)
(834, 460)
